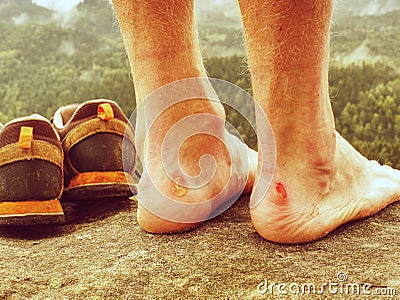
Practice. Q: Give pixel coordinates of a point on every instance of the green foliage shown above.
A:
(379, 35)
(367, 109)
(33, 80)
(11, 10)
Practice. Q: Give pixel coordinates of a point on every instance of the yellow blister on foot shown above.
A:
(177, 189)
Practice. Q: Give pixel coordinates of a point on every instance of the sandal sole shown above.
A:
(100, 185)
(31, 212)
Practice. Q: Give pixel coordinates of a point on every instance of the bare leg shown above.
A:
(161, 41)
(320, 181)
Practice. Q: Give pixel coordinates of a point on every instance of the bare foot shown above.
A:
(184, 180)
(306, 203)
(192, 164)
(320, 181)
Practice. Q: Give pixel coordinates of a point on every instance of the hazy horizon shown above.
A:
(230, 7)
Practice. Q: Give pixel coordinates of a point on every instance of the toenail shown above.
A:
(177, 189)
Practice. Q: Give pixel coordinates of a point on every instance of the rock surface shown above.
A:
(107, 255)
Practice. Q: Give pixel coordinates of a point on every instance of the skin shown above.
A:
(162, 46)
(320, 181)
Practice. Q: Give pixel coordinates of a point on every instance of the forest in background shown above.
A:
(45, 64)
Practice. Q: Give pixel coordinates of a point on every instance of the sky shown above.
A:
(63, 6)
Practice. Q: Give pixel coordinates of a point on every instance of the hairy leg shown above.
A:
(320, 181)
(162, 45)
